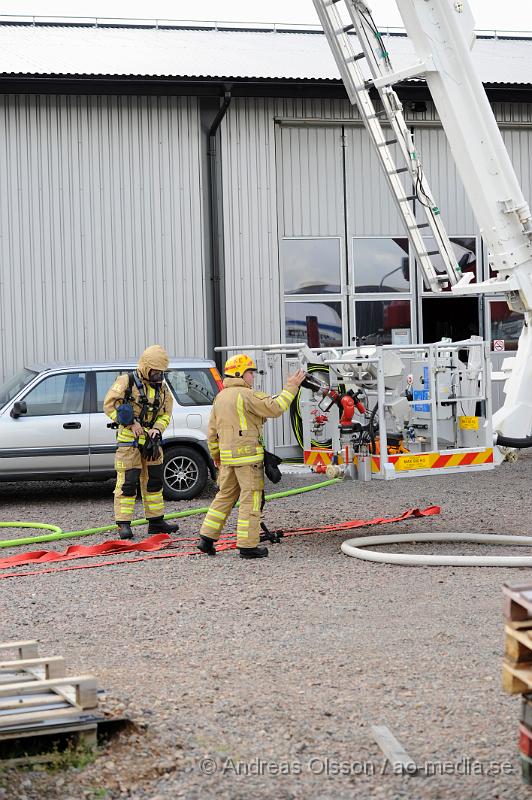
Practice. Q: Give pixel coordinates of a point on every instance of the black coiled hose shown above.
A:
(295, 413)
(518, 444)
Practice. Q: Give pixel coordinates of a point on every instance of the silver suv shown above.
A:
(52, 426)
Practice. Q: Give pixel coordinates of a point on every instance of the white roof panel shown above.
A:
(194, 53)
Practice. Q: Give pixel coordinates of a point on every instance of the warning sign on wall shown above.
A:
(498, 345)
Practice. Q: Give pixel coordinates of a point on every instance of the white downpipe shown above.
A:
(354, 548)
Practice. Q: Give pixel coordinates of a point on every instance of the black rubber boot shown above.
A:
(158, 525)
(253, 552)
(206, 545)
(124, 530)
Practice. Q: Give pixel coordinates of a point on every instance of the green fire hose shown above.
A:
(58, 533)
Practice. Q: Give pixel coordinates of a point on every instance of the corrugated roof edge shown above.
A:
(32, 21)
(166, 77)
(198, 79)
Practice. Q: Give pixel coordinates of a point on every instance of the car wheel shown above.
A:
(185, 473)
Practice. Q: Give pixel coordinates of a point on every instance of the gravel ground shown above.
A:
(283, 665)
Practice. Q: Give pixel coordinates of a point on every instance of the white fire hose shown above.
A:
(355, 547)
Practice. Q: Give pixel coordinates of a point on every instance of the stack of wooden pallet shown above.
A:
(37, 699)
(517, 668)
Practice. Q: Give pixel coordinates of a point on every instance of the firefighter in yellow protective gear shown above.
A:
(235, 443)
(140, 404)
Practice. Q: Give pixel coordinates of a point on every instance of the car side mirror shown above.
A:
(19, 408)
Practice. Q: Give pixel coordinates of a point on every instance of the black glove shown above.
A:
(151, 449)
(271, 467)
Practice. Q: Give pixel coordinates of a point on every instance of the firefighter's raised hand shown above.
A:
(297, 378)
(137, 429)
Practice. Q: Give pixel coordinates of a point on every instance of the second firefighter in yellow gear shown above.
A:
(235, 443)
(139, 456)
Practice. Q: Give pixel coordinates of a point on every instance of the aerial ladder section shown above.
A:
(442, 34)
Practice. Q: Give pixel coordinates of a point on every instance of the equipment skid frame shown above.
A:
(434, 460)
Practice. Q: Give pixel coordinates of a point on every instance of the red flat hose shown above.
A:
(163, 540)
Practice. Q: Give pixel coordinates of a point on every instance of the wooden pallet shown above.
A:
(517, 601)
(518, 643)
(37, 698)
(516, 678)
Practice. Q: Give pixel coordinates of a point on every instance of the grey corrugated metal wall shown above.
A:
(310, 169)
(371, 210)
(250, 223)
(101, 229)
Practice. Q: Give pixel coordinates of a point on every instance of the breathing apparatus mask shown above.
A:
(155, 378)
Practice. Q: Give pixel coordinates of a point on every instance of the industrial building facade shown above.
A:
(133, 210)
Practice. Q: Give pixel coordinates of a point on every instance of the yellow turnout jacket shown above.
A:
(237, 418)
(153, 357)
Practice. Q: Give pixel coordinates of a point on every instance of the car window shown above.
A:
(192, 387)
(14, 385)
(57, 394)
(104, 381)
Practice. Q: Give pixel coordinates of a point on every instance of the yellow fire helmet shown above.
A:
(237, 365)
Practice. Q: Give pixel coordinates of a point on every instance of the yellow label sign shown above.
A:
(421, 461)
(468, 423)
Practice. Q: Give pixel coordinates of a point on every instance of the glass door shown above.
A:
(445, 315)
